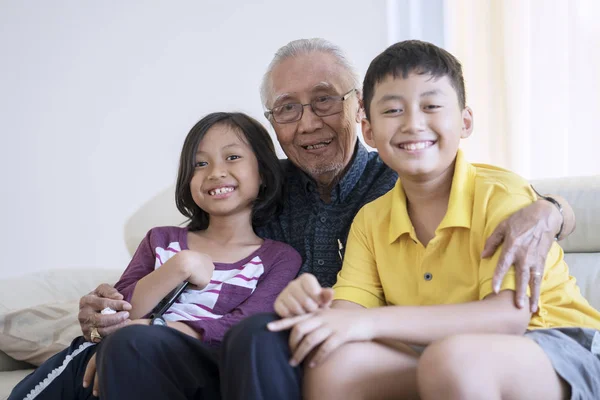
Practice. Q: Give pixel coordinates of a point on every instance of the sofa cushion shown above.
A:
(582, 193)
(585, 267)
(52, 286)
(34, 334)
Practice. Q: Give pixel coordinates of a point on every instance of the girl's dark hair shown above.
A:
(268, 202)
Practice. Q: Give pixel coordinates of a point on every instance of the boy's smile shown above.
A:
(416, 124)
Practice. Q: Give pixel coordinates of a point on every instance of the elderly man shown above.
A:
(313, 101)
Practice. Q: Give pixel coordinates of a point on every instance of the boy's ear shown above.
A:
(467, 117)
(360, 113)
(367, 132)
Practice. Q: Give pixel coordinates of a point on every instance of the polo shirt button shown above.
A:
(323, 219)
(320, 262)
(428, 276)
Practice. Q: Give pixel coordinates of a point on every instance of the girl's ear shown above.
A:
(467, 118)
(368, 132)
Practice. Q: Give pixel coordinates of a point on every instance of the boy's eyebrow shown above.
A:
(389, 97)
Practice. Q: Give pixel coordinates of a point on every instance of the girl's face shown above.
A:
(226, 179)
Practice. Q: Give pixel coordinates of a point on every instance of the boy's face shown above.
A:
(416, 125)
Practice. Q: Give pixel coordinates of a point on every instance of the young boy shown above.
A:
(416, 251)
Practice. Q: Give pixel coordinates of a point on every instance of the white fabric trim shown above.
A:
(56, 372)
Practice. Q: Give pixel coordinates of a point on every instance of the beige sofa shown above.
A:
(38, 312)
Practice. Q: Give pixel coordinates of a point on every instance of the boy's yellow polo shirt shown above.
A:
(385, 264)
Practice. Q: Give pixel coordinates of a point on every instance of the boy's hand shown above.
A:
(326, 330)
(526, 236)
(301, 296)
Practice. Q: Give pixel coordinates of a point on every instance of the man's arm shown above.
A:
(527, 236)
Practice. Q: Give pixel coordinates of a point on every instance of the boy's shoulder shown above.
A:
(493, 180)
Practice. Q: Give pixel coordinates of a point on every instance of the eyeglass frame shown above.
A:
(341, 98)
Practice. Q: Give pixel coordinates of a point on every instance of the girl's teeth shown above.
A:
(221, 191)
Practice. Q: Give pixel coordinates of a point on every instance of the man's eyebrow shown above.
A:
(322, 86)
(281, 97)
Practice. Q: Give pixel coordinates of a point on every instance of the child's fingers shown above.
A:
(90, 371)
(96, 390)
(310, 342)
(301, 330)
(311, 286)
(286, 323)
(328, 347)
(326, 297)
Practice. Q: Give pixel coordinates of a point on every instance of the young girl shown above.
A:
(229, 181)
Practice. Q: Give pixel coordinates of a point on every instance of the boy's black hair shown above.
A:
(268, 202)
(413, 56)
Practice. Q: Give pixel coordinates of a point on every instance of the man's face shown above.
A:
(320, 146)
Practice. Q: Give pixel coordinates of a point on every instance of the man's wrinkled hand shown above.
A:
(90, 306)
(301, 296)
(526, 238)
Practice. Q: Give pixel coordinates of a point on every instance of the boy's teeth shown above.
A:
(416, 146)
(221, 191)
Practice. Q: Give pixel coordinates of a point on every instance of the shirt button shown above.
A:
(320, 262)
(428, 276)
(543, 313)
(323, 219)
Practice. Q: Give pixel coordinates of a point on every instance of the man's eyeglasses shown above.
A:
(322, 106)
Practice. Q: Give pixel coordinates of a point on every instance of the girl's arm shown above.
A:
(425, 324)
(143, 286)
(284, 268)
(151, 289)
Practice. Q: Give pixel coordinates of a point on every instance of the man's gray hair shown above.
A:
(306, 46)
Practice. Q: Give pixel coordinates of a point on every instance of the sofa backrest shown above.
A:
(582, 247)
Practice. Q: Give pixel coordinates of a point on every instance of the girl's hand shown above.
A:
(326, 330)
(301, 296)
(91, 374)
(198, 266)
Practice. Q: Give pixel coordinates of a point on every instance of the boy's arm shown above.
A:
(425, 324)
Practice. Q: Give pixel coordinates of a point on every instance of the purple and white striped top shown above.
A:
(235, 291)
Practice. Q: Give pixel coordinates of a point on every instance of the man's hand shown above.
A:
(527, 236)
(323, 331)
(93, 303)
(301, 296)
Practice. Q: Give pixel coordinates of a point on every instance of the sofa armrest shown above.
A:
(7, 363)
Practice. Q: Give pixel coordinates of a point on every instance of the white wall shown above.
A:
(97, 97)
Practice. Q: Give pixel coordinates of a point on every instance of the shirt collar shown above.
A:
(343, 188)
(460, 203)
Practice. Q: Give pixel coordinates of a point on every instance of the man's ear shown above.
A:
(367, 132)
(360, 113)
(467, 118)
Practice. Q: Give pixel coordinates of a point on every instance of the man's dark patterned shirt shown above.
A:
(314, 227)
